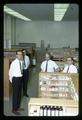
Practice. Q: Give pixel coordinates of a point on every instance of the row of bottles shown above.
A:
(55, 88)
(59, 89)
(59, 83)
(60, 77)
(48, 111)
(55, 94)
(56, 77)
(51, 111)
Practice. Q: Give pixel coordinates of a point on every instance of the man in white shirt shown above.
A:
(26, 63)
(69, 67)
(48, 65)
(15, 77)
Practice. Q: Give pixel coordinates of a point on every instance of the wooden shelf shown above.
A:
(6, 78)
(55, 97)
(53, 83)
(69, 106)
(59, 86)
(55, 91)
(57, 80)
(57, 102)
(50, 86)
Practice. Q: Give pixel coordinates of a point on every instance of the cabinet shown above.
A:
(58, 95)
(57, 85)
(37, 107)
(6, 78)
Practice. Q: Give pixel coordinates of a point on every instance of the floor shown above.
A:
(32, 92)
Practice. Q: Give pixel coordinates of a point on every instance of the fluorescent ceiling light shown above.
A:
(14, 13)
(61, 6)
(59, 11)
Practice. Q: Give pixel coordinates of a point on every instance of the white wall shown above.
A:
(9, 30)
(58, 34)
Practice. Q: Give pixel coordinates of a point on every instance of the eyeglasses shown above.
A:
(19, 54)
(69, 60)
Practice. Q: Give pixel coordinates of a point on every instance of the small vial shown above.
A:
(57, 111)
(41, 111)
(52, 111)
(60, 111)
(45, 110)
(48, 111)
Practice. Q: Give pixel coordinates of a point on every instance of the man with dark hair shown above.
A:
(48, 65)
(15, 77)
(26, 63)
(69, 67)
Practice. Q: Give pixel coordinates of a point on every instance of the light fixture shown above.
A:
(59, 11)
(14, 13)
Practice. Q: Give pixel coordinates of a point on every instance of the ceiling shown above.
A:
(44, 11)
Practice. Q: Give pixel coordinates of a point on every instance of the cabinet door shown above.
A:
(6, 78)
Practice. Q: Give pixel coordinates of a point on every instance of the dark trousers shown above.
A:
(17, 90)
(25, 81)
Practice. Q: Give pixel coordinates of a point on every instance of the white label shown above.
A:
(56, 112)
(52, 113)
(48, 112)
(61, 113)
(45, 112)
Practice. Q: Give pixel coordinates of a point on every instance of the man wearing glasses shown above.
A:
(69, 67)
(15, 77)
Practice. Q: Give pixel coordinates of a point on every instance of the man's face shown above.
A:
(69, 61)
(47, 57)
(19, 55)
(24, 52)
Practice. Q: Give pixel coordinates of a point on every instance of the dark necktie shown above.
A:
(46, 66)
(21, 67)
(24, 62)
(67, 69)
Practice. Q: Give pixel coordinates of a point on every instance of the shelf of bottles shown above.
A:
(52, 107)
(46, 110)
(55, 85)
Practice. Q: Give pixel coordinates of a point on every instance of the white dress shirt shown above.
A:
(15, 70)
(72, 69)
(51, 66)
(27, 62)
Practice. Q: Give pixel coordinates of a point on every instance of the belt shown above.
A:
(18, 77)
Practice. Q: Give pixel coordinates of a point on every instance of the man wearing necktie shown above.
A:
(15, 77)
(69, 67)
(48, 65)
(26, 63)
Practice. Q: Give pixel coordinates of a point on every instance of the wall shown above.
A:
(9, 30)
(57, 34)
